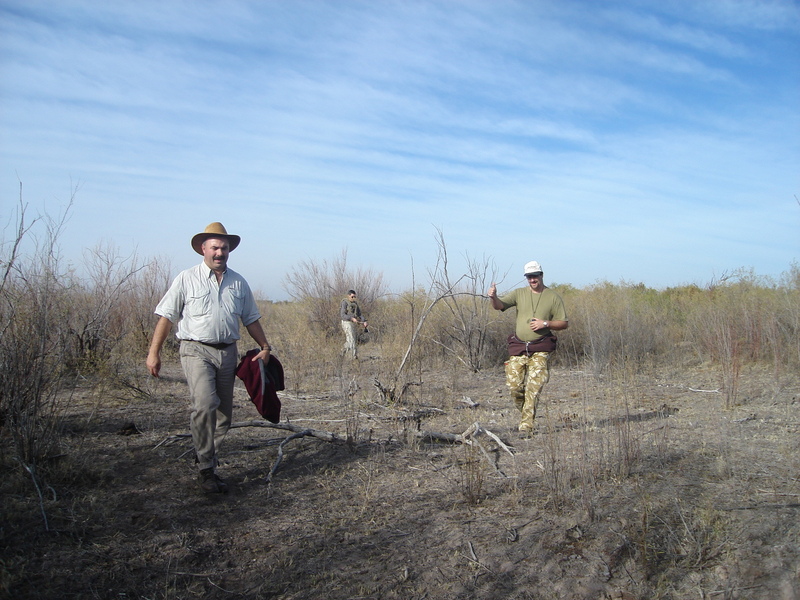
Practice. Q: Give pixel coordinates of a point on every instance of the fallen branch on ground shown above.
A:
(417, 415)
(278, 460)
(469, 402)
(325, 436)
(469, 436)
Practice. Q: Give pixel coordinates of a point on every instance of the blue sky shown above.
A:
(638, 141)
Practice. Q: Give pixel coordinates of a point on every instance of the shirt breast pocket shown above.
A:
(198, 304)
(234, 299)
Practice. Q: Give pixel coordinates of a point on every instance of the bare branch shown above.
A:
(279, 459)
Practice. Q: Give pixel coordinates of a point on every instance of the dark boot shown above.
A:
(211, 483)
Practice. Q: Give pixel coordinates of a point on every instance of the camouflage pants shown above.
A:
(525, 378)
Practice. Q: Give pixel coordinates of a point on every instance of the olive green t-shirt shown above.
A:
(547, 306)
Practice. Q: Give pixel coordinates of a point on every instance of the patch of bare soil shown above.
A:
(642, 487)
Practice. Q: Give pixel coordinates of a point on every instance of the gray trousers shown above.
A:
(210, 374)
(351, 339)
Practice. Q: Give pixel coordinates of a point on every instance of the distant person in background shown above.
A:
(208, 302)
(540, 311)
(350, 314)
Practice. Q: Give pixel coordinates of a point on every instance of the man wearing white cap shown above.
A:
(540, 311)
(207, 302)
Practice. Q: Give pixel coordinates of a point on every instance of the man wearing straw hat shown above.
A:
(540, 311)
(207, 302)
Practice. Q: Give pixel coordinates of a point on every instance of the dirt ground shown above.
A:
(632, 488)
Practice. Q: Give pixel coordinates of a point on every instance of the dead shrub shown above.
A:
(34, 349)
(321, 286)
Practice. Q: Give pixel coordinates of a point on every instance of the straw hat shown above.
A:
(214, 230)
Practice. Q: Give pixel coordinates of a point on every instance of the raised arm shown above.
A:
(496, 303)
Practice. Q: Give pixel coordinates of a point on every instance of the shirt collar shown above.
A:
(208, 271)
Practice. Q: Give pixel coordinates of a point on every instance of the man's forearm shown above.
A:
(163, 327)
(257, 333)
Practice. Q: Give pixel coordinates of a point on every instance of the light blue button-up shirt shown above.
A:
(207, 311)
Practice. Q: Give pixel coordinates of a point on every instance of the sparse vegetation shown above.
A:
(644, 481)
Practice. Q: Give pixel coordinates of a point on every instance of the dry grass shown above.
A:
(635, 484)
(665, 465)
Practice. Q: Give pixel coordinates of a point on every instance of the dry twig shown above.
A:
(278, 460)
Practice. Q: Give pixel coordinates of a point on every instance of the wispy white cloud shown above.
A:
(629, 140)
(745, 15)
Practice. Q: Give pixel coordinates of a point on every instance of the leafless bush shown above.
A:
(441, 287)
(464, 325)
(618, 324)
(744, 319)
(56, 326)
(34, 345)
(123, 293)
(681, 534)
(471, 475)
(321, 286)
(145, 283)
(105, 305)
(786, 329)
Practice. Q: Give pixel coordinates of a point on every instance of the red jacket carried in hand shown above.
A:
(262, 382)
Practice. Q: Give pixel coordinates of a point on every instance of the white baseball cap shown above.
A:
(532, 267)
